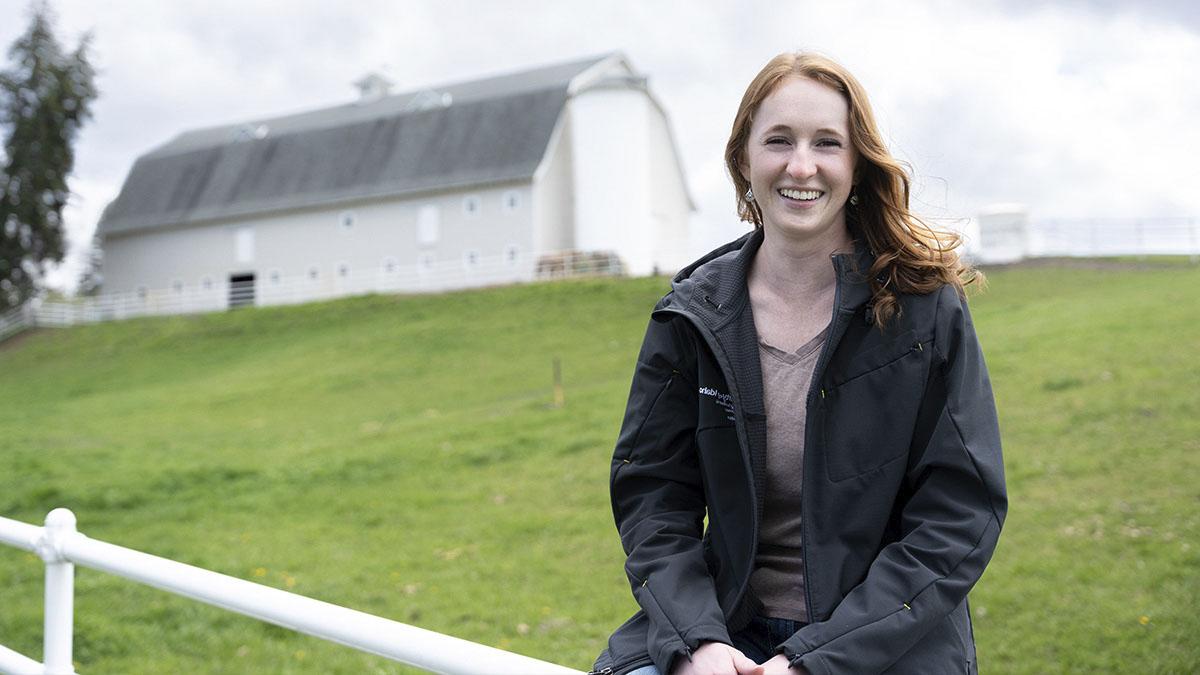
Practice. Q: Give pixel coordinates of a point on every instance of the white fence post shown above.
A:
(60, 593)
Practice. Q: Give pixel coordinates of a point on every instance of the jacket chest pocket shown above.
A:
(869, 419)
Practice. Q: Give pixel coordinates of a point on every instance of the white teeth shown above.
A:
(802, 195)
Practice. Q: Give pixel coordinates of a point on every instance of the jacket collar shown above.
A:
(714, 287)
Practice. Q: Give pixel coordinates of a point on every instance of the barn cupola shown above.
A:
(373, 87)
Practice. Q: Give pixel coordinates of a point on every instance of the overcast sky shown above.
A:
(1075, 109)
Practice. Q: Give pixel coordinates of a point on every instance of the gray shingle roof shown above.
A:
(493, 130)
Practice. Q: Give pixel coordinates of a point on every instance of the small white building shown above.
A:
(473, 183)
(1003, 233)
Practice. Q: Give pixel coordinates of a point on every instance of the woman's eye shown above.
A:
(829, 143)
(777, 140)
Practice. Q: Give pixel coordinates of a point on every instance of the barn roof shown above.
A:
(470, 133)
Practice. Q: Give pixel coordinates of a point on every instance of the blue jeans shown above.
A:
(757, 640)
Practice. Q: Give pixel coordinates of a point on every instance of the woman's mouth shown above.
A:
(801, 195)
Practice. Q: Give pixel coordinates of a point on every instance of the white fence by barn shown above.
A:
(61, 547)
(1022, 238)
(279, 290)
(16, 320)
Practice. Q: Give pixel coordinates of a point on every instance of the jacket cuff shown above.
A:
(667, 654)
(800, 654)
(812, 664)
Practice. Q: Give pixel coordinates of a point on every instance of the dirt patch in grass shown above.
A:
(17, 339)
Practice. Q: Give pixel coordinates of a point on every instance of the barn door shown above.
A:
(241, 290)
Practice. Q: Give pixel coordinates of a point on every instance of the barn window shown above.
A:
(206, 283)
(177, 286)
(313, 273)
(346, 221)
(389, 265)
(343, 270)
(511, 253)
(425, 261)
(472, 205)
(512, 200)
(276, 277)
(141, 292)
(244, 244)
(470, 259)
(427, 225)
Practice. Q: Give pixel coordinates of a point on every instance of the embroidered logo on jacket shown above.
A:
(721, 399)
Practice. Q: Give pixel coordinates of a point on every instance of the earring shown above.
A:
(749, 194)
(853, 200)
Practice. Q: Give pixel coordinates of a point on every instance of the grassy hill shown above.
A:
(399, 455)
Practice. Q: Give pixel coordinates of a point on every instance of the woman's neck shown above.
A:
(797, 270)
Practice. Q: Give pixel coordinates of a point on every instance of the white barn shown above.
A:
(474, 183)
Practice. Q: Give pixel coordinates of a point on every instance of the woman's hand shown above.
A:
(717, 658)
(779, 666)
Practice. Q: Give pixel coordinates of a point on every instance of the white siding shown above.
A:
(553, 194)
(294, 243)
(629, 191)
(670, 205)
(609, 139)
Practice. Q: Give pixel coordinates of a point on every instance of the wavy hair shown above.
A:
(910, 255)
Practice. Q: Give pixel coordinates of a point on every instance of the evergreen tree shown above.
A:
(90, 279)
(45, 96)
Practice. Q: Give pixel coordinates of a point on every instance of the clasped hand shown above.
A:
(716, 658)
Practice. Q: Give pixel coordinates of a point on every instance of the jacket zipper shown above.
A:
(815, 386)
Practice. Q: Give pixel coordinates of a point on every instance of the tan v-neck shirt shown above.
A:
(778, 577)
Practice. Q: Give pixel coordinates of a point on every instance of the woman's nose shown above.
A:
(801, 164)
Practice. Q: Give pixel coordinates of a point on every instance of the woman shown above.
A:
(816, 390)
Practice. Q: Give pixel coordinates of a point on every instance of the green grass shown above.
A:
(399, 455)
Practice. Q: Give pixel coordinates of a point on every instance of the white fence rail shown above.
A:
(62, 547)
(15, 320)
(1076, 237)
(273, 289)
(1099, 237)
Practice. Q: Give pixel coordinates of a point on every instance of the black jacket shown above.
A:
(903, 487)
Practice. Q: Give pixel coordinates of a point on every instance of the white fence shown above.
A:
(1098, 237)
(272, 289)
(62, 547)
(1076, 237)
(16, 320)
(1005, 233)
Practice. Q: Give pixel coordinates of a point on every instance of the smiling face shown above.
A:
(800, 162)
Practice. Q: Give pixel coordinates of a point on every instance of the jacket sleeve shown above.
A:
(658, 500)
(951, 511)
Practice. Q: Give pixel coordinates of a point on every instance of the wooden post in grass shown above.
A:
(559, 397)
